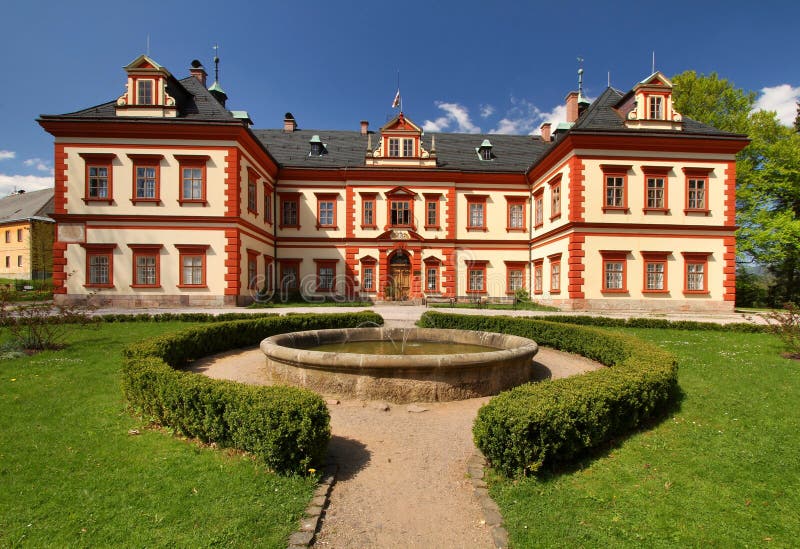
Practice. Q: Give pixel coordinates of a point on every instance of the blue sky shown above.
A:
(470, 66)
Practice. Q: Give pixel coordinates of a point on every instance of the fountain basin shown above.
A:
(400, 378)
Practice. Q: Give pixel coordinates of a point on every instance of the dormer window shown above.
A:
(656, 108)
(485, 151)
(144, 92)
(317, 146)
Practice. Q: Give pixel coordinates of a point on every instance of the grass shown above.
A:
(521, 306)
(303, 303)
(71, 475)
(722, 470)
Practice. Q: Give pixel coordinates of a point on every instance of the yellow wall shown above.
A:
(15, 249)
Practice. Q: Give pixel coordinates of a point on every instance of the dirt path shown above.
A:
(402, 480)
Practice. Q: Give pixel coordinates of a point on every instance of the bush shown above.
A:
(286, 427)
(541, 424)
(655, 323)
(786, 325)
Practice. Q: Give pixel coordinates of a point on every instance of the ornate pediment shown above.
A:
(400, 145)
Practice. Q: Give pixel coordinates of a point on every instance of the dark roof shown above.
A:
(21, 206)
(455, 151)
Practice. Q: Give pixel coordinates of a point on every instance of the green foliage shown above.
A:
(751, 288)
(712, 100)
(786, 325)
(37, 326)
(541, 424)
(522, 295)
(286, 427)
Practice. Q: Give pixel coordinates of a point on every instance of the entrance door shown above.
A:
(399, 277)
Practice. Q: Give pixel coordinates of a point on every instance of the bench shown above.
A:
(504, 300)
(438, 299)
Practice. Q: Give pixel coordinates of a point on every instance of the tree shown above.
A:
(797, 119)
(768, 176)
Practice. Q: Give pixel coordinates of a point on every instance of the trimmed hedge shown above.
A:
(286, 427)
(657, 323)
(541, 424)
(83, 318)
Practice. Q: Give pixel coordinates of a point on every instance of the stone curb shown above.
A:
(491, 512)
(311, 521)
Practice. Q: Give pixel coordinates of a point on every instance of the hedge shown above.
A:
(541, 424)
(657, 323)
(286, 427)
(83, 317)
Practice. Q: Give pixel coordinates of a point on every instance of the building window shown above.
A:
(400, 213)
(19, 261)
(696, 277)
(555, 273)
(252, 196)
(99, 177)
(555, 198)
(515, 276)
(515, 219)
(146, 265)
(144, 92)
(192, 260)
(432, 211)
(252, 269)
(193, 178)
(19, 235)
(476, 276)
(326, 210)
(697, 189)
(290, 210)
(368, 211)
(538, 209)
(656, 108)
(432, 266)
(614, 271)
(394, 147)
(326, 275)
(476, 207)
(368, 278)
(8, 236)
(656, 184)
(290, 274)
(99, 265)
(538, 276)
(8, 262)
(408, 147)
(267, 205)
(146, 175)
(655, 272)
(615, 187)
(317, 146)
(268, 272)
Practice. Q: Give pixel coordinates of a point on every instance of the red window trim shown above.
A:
(538, 264)
(514, 200)
(477, 199)
(99, 249)
(696, 173)
(616, 170)
(514, 266)
(289, 262)
(99, 160)
(142, 161)
(369, 197)
(192, 161)
(655, 257)
(145, 249)
(556, 183)
(555, 259)
(538, 207)
(322, 263)
(192, 250)
(477, 265)
(695, 258)
(288, 197)
(372, 263)
(268, 203)
(433, 198)
(155, 91)
(252, 191)
(268, 274)
(654, 172)
(615, 256)
(252, 256)
(328, 197)
(400, 194)
(432, 262)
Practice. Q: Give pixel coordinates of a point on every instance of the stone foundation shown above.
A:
(147, 301)
(645, 306)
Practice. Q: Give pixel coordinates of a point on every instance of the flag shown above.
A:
(396, 102)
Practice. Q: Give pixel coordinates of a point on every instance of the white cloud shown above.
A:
(7, 155)
(39, 164)
(781, 99)
(522, 118)
(456, 118)
(487, 111)
(11, 183)
(558, 114)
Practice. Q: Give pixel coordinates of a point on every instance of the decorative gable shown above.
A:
(649, 105)
(400, 145)
(146, 91)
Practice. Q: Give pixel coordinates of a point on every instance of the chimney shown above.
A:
(364, 127)
(545, 129)
(289, 123)
(572, 106)
(198, 72)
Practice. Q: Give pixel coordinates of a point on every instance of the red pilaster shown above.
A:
(576, 267)
(233, 180)
(233, 262)
(60, 190)
(350, 268)
(383, 270)
(59, 264)
(576, 189)
(449, 282)
(729, 269)
(350, 211)
(416, 272)
(450, 218)
(730, 195)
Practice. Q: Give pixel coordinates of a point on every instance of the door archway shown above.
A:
(399, 276)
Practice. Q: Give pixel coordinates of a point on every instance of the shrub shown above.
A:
(286, 427)
(549, 422)
(656, 323)
(786, 325)
(39, 325)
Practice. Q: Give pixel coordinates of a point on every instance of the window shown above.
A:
(394, 147)
(144, 92)
(555, 273)
(432, 266)
(19, 261)
(326, 210)
(192, 259)
(400, 213)
(146, 174)
(317, 146)
(193, 178)
(432, 211)
(538, 276)
(614, 271)
(485, 151)
(252, 269)
(515, 220)
(538, 208)
(656, 108)
(252, 197)
(368, 281)
(290, 210)
(290, 274)
(515, 276)
(408, 147)
(696, 278)
(267, 204)
(476, 207)
(268, 272)
(368, 210)
(99, 177)
(8, 262)
(655, 272)
(656, 182)
(326, 274)
(615, 187)
(19, 235)
(99, 265)
(697, 189)
(146, 265)
(476, 276)
(8, 236)
(555, 198)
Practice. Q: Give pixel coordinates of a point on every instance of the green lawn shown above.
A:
(71, 475)
(722, 470)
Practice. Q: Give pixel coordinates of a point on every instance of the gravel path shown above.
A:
(402, 478)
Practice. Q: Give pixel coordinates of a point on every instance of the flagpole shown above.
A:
(398, 90)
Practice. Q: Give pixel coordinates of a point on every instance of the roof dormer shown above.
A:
(146, 91)
(400, 145)
(649, 105)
